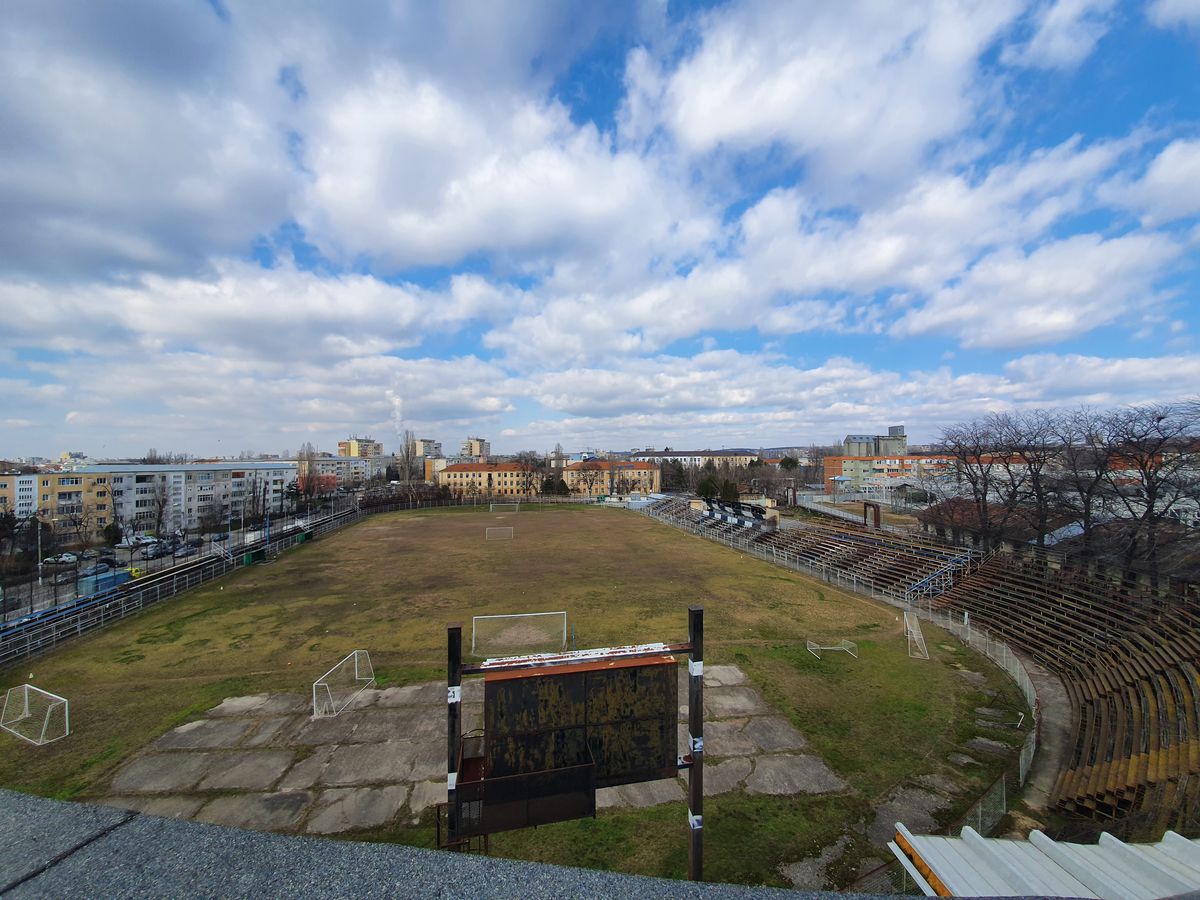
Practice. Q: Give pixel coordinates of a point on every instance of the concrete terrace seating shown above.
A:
(1128, 657)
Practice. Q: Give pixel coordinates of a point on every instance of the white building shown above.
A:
(188, 491)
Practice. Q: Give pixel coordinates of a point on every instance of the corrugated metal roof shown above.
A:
(975, 866)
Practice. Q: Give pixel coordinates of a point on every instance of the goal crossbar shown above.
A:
(544, 624)
(34, 715)
(847, 646)
(916, 640)
(498, 533)
(341, 685)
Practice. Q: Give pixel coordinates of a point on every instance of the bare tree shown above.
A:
(529, 475)
(1151, 473)
(1084, 454)
(588, 477)
(406, 459)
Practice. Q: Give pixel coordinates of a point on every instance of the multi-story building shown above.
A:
(740, 457)
(362, 447)
(490, 479)
(77, 505)
(177, 497)
(333, 472)
(877, 474)
(476, 447)
(894, 443)
(601, 477)
(427, 448)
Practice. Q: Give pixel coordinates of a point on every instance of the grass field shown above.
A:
(393, 582)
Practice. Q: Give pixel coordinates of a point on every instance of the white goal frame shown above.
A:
(476, 619)
(916, 640)
(508, 507)
(499, 533)
(848, 646)
(16, 711)
(355, 671)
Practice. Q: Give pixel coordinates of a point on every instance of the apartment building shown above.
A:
(334, 472)
(74, 503)
(360, 447)
(176, 497)
(490, 479)
(427, 448)
(601, 477)
(477, 447)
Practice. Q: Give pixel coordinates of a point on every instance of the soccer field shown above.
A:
(391, 584)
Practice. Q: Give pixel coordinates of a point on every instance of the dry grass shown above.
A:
(393, 582)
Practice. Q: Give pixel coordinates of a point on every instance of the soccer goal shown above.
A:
(337, 688)
(498, 533)
(847, 646)
(504, 507)
(513, 635)
(35, 715)
(916, 640)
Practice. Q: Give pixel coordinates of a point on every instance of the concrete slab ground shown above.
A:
(262, 762)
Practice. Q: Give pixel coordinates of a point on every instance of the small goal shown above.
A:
(519, 634)
(498, 533)
(847, 646)
(916, 640)
(338, 688)
(35, 715)
(504, 507)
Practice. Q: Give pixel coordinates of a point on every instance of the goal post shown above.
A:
(34, 715)
(916, 640)
(519, 633)
(845, 646)
(498, 533)
(504, 507)
(341, 685)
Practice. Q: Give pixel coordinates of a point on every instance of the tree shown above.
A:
(406, 459)
(708, 486)
(789, 463)
(986, 469)
(729, 490)
(588, 477)
(306, 477)
(528, 475)
(160, 499)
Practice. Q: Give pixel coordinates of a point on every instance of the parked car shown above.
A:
(68, 577)
(108, 557)
(97, 569)
(217, 538)
(195, 542)
(145, 539)
(61, 559)
(89, 554)
(186, 550)
(154, 551)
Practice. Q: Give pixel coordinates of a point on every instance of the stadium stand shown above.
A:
(1127, 651)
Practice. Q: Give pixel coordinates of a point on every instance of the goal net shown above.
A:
(337, 688)
(499, 533)
(916, 640)
(817, 649)
(519, 634)
(35, 715)
(504, 507)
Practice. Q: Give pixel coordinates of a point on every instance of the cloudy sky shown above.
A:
(243, 225)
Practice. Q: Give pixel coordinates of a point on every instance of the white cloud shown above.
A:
(861, 96)
(1065, 32)
(1059, 291)
(1170, 188)
(1171, 13)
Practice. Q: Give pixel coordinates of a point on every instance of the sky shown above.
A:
(237, 225)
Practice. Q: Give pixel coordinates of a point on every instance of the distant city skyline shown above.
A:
(247, 225)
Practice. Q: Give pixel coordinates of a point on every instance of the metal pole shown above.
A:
(696, 742)
(453, 723)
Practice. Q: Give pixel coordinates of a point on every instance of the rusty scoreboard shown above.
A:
(558, 726)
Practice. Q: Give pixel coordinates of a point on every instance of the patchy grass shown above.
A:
(393, 582)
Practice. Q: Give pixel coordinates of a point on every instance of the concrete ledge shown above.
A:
(54, 849)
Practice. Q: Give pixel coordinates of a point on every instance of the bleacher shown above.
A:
(1128, 656)
(886, 563)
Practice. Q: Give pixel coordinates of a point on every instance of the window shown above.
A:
(68, 482)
